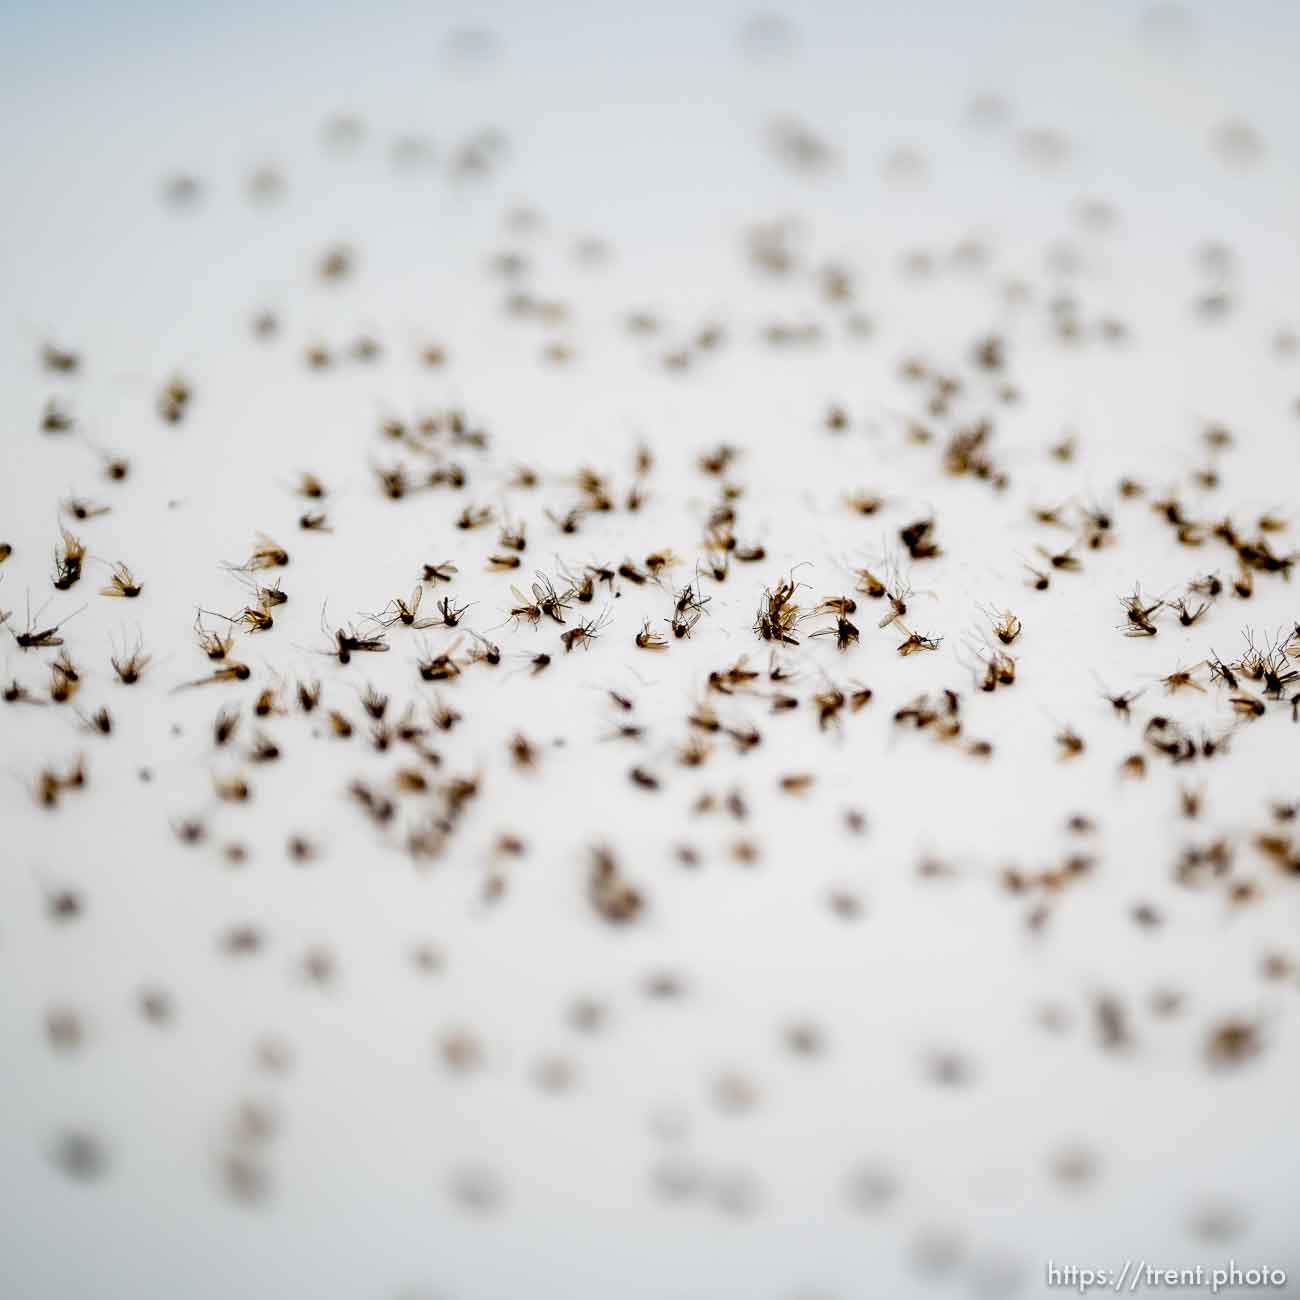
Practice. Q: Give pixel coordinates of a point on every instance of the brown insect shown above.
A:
(1063, 561)
(231, 672)
(585, 633)
(474, 517)
(449, 613)
(1182, 678)
(130, 667)
(68, 560)
(1233, 1042)
(546, 602)
(441, 667)
(915, 642)
(999, 670)
(224, 726)
(122, 583)
(870, 585)
(777, 613)
(1138, 614)
(484, 651)
(864, 503)
(407, 614)
(613, 897)
(436, 573)
(1070, 743)
(844, 632)
(1186, 615)
(1122, 703)
(40, 638)
(56, 418)
(683, 625)
(80, 508)
(267, 554)
(918, 537)
(215, 647)
(648, 640)
(174, 400)
(350, 641)
(1006, 627)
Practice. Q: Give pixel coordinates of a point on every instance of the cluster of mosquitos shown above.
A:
(576, 604)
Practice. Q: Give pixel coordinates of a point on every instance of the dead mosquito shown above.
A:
(122, 583)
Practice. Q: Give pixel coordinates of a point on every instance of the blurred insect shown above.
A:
(59, 360)
(17, 693)
(442, 572)
(864, 503)
(474, 517)
(41, 638)
(56, 418)
(610, 894)
(1180, 679)
(1219, 671)
(174, 400)
(999, 670)
(567, 523)
(1063, 561)
(130, 667)
(1070, 743)
(918, 537)
(314, 521)
(484, 651)
(100, 721)
(683, 625)
(730, 680)
(440, 667)
(80, 508)
(1122, 703)
(350, 641)
(224, 726)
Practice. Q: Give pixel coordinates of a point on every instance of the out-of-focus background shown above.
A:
(169, 172)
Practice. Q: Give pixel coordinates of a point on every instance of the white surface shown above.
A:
(648, 134)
